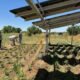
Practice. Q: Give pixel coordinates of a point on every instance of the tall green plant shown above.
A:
(19, 72)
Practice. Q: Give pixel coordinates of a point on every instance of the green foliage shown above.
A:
(6, 78)
(9, 29)
(18, 30)
(74, 30)
(33, 30)
(19, 72)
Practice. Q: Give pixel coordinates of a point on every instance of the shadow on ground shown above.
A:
(64, 50)
(45, 75)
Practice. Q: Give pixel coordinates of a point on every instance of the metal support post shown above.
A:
(72, 34)
(49, 36)
(46, 40)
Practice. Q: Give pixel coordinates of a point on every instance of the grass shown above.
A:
(64, 39)
(34, 39)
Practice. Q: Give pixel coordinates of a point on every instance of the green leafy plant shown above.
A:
(19, 72)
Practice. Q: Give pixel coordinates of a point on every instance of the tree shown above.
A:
(74, 30)
(33, 30)
(10, 29)
(7, 29)
(18, 30)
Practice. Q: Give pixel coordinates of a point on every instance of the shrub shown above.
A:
(33, 30)
(74, 30)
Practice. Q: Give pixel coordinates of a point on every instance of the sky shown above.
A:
(7, 18)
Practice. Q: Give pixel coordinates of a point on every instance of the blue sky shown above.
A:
(7, 18)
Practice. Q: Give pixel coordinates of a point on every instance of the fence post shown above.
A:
(72, 34)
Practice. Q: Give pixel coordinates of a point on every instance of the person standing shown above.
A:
(20, 37)
(0, 40)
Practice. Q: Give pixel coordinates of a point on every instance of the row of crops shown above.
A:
(65, 60)
(11, 67)
(65, 54)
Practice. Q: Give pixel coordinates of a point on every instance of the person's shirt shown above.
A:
(20, 35)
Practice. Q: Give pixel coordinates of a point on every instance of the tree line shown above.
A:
(74, 30)
(10, 29)
(30, 31)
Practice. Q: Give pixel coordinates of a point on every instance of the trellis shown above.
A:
(48, 8)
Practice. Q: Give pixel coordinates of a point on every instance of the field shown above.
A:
(26, 39)
(54, 39)
(22, 62)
